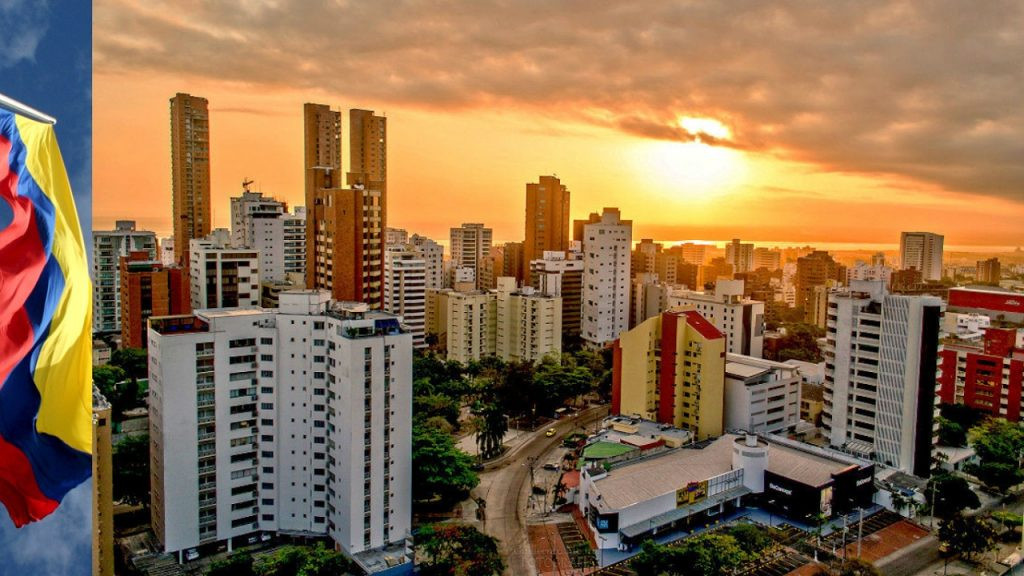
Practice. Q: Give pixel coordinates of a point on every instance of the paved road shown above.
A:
(506, 487)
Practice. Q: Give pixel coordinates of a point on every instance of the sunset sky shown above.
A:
(782, 121)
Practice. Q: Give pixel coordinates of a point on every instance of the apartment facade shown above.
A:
(528, 324)
(740, 255)
(760, 395)
(108, 246)
(470, 246)
(740, 319)
(190, 171)
(922, 251)
(471, 324)
(281, 244)
(405, 290)
(547, 222)
(221, 275)
(246, 210)
(607, 250)
(295, 420)
(561, 274)
(149, 289)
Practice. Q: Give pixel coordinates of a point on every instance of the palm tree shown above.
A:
(491, 428)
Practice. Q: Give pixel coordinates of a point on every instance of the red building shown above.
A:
(149, 289)
(984, 375)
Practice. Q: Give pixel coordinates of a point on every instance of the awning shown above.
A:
(666, 518)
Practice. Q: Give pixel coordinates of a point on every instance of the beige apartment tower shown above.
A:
(547, 221)
(190, 171)
(102, 488)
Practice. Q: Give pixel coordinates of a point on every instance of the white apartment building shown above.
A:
(405, 289)
(649, 297)
(246, 210)
(529, 323)
(740, 255)
(432, 255)
(607, 250)
(881, 362)
(871, 272)
(295, 420)
(222, 276)
(395, 236)
(739, 318)
(108, 246)
(471, 319)
(760, 395)
(561, 274)
(922, 251)
(167, 251)
(281, 243)
(470, 245)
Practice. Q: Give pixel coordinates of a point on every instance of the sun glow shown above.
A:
(691, 170)
(709, 126)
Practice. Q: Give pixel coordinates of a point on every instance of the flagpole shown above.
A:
(25, 110)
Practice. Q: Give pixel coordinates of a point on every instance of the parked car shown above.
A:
(551, 466)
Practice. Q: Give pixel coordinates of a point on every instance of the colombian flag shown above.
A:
(45, 317)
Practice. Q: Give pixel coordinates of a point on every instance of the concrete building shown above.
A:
(684, 488)
(650, 297)
(432, 255)
(281, 243)
(872, 272)
(148, 289)
(405, 290)
(102, 488)
(221, 275)
(167, 251)
(760, 395)
(561, 274)
(293, 421)
(368, 155)
(671, 369)
(715, 270)
(693, 253)
(607, 242)
(740, 255)
(988, 272)
(739, 318)
(471, 324)
(247, 209)
(270, 291)
(528, 324)
(470, 245)
(547, 223)
(881, 364)
(768, 259)
(1001, 305)
(190, 172)
(985, 373)
(436, 316)
(814, 269)
(395, 236)
(108, 246)
(922, 251)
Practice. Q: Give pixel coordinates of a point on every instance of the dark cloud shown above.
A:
(929, 90)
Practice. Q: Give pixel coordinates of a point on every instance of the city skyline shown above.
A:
(775, 145)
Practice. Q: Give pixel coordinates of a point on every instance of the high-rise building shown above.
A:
(760, 395)
(432, 255)
(740, 319)
(393, 236)
(740, 255)
(513, 260)
(607, 247)
(873, 272)
(108, 246)
(222, 276)
(471, 320)
(693, 253)
(987, 375)
(470, 245)
(246, 210)
(644, 257)
(715, 270)
(922, 251)
(281, 244)
(766, 258)
(368, 152)
(529, 323)
(561, 274)
(322, 168)
(547, 222)
(649, 297)
(405, 289)
(671, 368)
(149, 289)
(881, 364)
(295, 421)
(102, 488)
(989, 272)
(815, 269)
(190, 172)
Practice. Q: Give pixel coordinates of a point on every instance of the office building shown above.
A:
(108, 246)
(761, 395)
(922, 251)
(470, 245)
(149, 289)
(547, 222)
(405, 290)
(607, 246)
(739, 318)
(671, 369)
(740, 255)
(102, 488)
(291, 421)
(246, 210)
(190, 172)
(988, 272)
(281, 244)
(223, 276)
(880, 375)
(528, 324)
(561, 274)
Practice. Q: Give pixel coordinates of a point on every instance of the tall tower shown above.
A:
(322, 165)
(547, 221)
(190, 171)
(368, 154)
(922, 251)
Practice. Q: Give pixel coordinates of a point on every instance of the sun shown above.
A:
(709, 126)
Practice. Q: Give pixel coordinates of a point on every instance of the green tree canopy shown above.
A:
(441, 470)
(999, 445)
(952, 495)
(134, 361)
(457, 550)
(708, 554)
(130, 465)
(967, 535)
(239, 564)
(303, 561)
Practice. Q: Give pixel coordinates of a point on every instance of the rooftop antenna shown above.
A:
(26, 110)
(246, 182)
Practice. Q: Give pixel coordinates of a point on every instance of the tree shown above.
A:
(457, 550)
(134, 361)
(708, 554)
(234, 565)
(302, 561)
(750, 538)
(441, 470)
(951, 433)
(998, 445)
(800, 343)
(967, 535)
(491, 429)
(110, 380)
(286, 561)
(952, 494)
(130, 464)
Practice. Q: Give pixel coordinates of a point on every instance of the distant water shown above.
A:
(840, 246)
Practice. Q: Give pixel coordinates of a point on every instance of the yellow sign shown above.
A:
(691, 493)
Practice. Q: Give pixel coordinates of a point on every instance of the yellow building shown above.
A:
(471, 322)
(102, 489)
(529, 324)
(671, 369)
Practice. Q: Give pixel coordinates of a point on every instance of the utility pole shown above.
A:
(860, 529)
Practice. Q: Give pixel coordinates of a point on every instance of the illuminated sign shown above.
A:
(778, 488)
(691, 493)
(863, 481)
